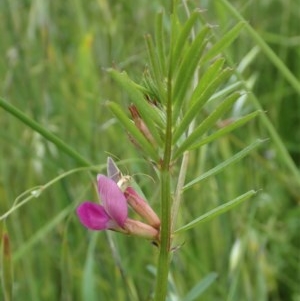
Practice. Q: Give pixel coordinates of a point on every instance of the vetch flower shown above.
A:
(113, 213)
(137, 203)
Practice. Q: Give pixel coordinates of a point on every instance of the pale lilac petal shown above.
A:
(113, 199)
(93, 216)
(113, 171)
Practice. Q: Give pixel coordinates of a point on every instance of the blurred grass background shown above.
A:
(52, 67)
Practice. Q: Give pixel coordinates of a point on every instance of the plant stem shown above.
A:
(164, 254)
(161, 289)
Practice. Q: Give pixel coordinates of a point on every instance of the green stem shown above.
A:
(45, 133)
(161, 289)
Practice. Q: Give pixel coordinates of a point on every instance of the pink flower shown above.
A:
(113, 213)
(137, 203)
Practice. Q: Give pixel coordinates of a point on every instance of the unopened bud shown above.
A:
(140, 206)
(140, 124)
(140, 229)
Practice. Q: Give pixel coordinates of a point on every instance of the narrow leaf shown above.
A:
(131, 128)
(225, 130)
(207, 78)
(184, 36)
(223, 43)
(217, 211)
(238, 156)
(207, 124)
(149, 115)
(228, 89)
(157, 73)
(189, 65)
(160, 43)
(200, 96)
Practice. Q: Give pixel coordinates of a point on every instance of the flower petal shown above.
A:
(113, 171)
(113, 199)
(93, 216)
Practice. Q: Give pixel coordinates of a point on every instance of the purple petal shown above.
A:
(93, 216)
(113, 199)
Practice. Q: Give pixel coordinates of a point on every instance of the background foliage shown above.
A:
(52, 67)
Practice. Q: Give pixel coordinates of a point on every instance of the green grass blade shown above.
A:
(200, 96)
(225, 130)
(216, 211)
(41, 233)
(89, 278)
(133, 130)
(271, 55)
(60, 144)
(238, 156)
(206, 124)
(223, 43)
(200, 287)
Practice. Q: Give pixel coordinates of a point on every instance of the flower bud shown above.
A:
(137, 228)
(140, 206)
(140, 124)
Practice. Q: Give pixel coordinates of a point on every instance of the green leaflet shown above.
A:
(149, 115)
(187, 69)
(184, 37)
(154, 60)
(223, 43)
(216, 211)
(160, 43)
(225, 130)
(207, 78)
(238, 156)
(133, 130)
(206, 124)
(200, 96)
